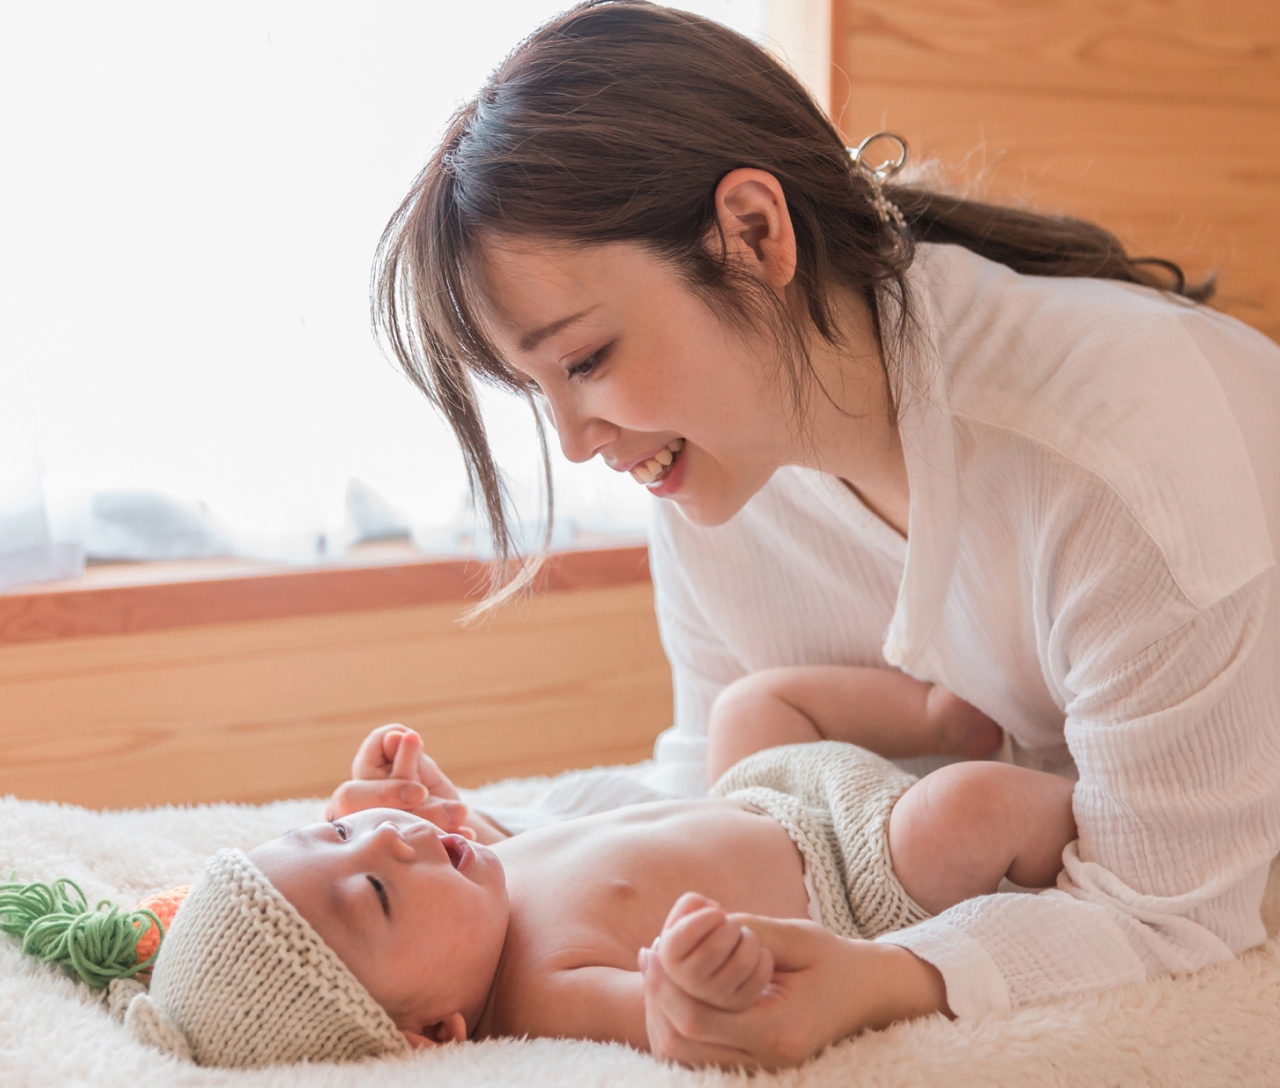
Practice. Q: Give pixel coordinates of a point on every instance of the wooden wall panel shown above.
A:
(1158, 118)
(272, 708)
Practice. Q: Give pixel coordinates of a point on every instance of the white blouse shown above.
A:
(1095, 492)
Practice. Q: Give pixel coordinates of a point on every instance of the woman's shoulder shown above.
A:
(987, 317)
(1141, 390)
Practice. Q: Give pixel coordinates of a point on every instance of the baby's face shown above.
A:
(418, 916)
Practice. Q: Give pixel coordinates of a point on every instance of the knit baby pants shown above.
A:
(834, 800)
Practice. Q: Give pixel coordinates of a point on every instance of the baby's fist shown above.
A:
(711, 956)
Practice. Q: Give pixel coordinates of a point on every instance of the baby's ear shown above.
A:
(418, 1042)
(452, 1029)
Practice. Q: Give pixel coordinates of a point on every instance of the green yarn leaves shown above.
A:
(55, 924)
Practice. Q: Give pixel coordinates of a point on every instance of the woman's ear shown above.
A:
(452, 1029)
(753, 215)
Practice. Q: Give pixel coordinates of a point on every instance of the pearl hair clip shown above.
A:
(888, 211)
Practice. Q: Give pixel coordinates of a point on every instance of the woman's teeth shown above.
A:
(660, 464)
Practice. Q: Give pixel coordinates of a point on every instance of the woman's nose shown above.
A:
(580, 439)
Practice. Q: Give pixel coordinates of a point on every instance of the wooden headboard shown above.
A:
(1157, 118)
(187, 683)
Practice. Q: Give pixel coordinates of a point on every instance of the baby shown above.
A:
(442, 929)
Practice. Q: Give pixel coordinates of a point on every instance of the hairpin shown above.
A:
(888, 211)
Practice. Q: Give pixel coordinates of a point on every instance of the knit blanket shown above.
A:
(1220, 1026)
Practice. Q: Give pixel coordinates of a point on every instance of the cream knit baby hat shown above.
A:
(243, 980)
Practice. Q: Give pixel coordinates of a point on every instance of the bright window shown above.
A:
(189, 204)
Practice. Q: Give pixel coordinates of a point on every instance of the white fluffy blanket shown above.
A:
(1218, 1027)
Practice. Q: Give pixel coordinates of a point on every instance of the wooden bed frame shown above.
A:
(234, 683)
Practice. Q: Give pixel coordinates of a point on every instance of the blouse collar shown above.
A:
(928, 446)
(929, 553)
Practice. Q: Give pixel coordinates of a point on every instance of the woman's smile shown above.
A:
(653, 470)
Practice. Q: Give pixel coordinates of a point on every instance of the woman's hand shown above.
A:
(822, 988)
(390, 770)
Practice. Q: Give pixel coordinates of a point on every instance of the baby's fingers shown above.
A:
(743, 977)
(404, 758)
(446, 815)
(713, 959)
(357, 795)
(681, 938)
(431, 776)
(374, 756)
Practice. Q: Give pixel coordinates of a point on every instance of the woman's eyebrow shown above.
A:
(531, 340)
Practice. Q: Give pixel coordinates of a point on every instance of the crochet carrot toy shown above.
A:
(55, 924)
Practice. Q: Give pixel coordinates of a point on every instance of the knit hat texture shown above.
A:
(243, 980)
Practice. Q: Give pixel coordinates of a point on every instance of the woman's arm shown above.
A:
(1177, 741)
(888, 712)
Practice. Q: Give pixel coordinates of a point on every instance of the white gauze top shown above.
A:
(1095, 492)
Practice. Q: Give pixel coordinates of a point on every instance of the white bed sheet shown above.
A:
(1220, 1026)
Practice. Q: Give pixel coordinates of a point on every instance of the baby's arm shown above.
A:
(888, 712)
(589, 1002)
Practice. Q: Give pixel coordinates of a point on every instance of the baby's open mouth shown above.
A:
(456, 847)
(658, 466)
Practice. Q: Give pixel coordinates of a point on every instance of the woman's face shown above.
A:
(636, 369)
(419, 917)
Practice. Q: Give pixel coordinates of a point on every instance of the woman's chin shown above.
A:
(709, 512)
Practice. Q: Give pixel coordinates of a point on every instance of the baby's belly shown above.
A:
(614, 877)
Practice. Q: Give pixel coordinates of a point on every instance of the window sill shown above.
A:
(128, 598)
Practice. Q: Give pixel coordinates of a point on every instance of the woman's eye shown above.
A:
(584, 368)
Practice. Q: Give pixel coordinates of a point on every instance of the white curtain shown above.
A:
(28, 553)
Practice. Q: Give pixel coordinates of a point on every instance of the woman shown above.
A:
(981, 446)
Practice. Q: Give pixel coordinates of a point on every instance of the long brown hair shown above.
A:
(614, 122)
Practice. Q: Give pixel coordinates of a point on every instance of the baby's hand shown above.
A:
(390, 770)
(710, 955)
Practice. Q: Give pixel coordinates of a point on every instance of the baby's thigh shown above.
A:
(958, 831)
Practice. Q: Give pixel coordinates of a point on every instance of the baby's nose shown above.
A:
(388, 837)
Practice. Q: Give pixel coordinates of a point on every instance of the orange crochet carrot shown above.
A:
(164, 905)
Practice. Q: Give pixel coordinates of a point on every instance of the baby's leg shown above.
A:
(958, 831)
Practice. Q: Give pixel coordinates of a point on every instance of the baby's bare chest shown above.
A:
(597, 890)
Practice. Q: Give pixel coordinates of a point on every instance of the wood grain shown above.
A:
(165, 596)
(1157, 118)
(253, 711)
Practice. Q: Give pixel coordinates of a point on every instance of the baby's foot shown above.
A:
(962, 729)
(710, 956)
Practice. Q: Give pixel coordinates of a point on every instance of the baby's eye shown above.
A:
(342, 832)
(382, 895)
